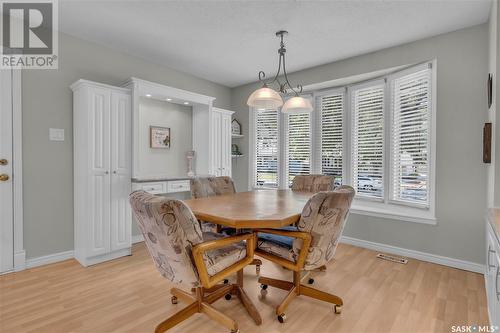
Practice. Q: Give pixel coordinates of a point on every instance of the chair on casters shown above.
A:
(186, 256)
(306, 183)
(313, 245)
(202, 187)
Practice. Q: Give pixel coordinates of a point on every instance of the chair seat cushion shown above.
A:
(278, 239)
(219, 259)
(281, 246)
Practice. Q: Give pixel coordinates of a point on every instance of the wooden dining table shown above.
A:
(253, 209)
(250, 210)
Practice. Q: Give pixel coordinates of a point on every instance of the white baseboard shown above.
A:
(433, 258)
(19, 261)
(49, 259)
(137, 239)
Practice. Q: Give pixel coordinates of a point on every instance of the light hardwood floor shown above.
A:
(128, 295)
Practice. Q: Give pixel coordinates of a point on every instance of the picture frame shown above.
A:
(235, 127)
(489, 87)
(159, 137)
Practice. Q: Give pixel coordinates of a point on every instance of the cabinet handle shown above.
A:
(114, 172)
(106, 172)
(490, 266)
(496, 283)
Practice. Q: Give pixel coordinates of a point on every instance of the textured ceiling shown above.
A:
(228, 42)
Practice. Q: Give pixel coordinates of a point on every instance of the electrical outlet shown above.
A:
(56, 134)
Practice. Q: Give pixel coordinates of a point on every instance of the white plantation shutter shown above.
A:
(298, 145)
(266, 148)
(367, 146)
(331, 107)
(411, 111)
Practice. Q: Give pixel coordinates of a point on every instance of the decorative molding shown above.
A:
(433, 258)
(137, 238)
(49, 259)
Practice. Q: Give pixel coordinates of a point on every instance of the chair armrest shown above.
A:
(306, 243)
(200, 249)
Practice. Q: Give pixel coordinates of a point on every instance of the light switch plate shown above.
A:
(56, 134)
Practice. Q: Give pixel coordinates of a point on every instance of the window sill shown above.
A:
(393, 212)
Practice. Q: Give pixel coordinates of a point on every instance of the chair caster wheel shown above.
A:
(226, 281)
(174, 300)
(264, 286)
(310, 281)
(282, 318)
(235, 331)
(257, 269)
(228, 297)
(337, 309)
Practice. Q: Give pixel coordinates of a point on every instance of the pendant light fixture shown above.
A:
(267, 98)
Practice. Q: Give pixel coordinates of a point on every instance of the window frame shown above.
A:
(363, 205)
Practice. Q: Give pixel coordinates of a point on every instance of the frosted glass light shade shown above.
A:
(265, 98)
(297, 105)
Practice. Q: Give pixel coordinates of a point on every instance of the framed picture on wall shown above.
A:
(159, 137)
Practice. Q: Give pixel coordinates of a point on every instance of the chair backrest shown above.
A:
(324, 216)
(202, 187)
(170, 231)
(313, 183)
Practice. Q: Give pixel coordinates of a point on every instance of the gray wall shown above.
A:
(462, 58)
(47, 102)
(164, 162)
(493, 187)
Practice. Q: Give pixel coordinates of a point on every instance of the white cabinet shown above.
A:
(102, 171)
(492, 275)
(221, 142)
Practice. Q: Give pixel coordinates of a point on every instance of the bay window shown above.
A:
(377, 136)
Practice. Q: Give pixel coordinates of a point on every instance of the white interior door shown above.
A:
(6, 185)
(99, 187)
(121, 186)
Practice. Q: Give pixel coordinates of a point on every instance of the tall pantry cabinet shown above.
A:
(102, 171)
(221, 142)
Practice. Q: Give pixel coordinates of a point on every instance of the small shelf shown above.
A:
(237, 136)
(236, 156)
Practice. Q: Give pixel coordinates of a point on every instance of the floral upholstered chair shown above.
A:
(185, 255)
(313, 183)
(202, 187)
(312, 245)
(305, 183)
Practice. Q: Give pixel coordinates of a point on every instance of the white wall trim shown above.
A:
(436, 259)
(433, 258)
(17, 158)
(137, 239)
(49, 259)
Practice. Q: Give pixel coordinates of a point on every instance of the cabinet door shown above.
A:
(121, 150)
(495, 309)
(98, 237)
(492, 276)
(226, 144)
(216, 143)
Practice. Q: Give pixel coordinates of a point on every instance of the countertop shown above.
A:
(159, 179)
(494, 219)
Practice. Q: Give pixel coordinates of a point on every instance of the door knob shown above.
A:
(3, 161)
(4, 177)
